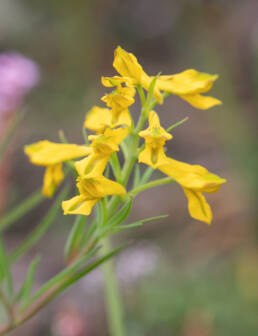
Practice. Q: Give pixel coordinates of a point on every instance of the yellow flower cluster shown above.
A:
(113, 123)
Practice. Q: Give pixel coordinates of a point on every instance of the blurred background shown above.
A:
(179, 276)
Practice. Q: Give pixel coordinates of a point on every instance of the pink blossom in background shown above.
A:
(18, 75)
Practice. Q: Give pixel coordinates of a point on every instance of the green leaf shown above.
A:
(24, 293)
(141, 94)
(17, 212)
(137, 176)
(138, 223)
(177, 124)
(5, 273)
(118, 218)
(75, 236)
(92, 228)
(56, 287)
(60, 277)
(147, 175)
(88, 269)
(37, 233)
(150, 99)
(115, 164)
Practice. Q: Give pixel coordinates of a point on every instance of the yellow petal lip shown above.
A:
(98, 118)
(95, 186)
(52, 178)
(45, 153)
(201, 102)
(154, 130)
(197, 206)
(78, 205)
(126, 64)
(108, 142)
(116, 81)
(94, 163)
(187, 82)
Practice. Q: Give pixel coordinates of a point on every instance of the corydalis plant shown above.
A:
(110, 200)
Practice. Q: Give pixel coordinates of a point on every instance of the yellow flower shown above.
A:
(103, 146)
(92, 188)
(107, 143)
(188, 84)
(99, 118)
(193, 179)
(51, 155)
(155, 137)
(126, 64)
(119, 99)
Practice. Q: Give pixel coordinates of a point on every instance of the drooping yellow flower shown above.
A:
(189, 84)
(155, 137)
(92, 187)
(103, 146)
(108, 142)
(119, 99)
(126, 64)
(99, 118)
(193, 179)
(51, 155)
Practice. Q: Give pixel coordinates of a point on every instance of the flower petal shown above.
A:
(45, 153)
(78, 206)
(200, 101)
(198, 206)
(52, 178)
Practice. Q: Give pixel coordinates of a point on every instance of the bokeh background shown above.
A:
(178, 277)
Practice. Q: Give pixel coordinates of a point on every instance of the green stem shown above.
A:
(113, 302)
(149, 185)
(8, 307)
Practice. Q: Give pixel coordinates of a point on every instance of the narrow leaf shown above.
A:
(20, 210)
(177, 124)
(5, 273)
(37, 233)
(118, 218)
(24, 293)
(150, 99)
(138, 223)
(137, 176)
(75, 235)
(61, 277)
(147, 175)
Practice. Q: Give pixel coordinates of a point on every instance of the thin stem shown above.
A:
(113, 302)
(8, 307)
(149, 185)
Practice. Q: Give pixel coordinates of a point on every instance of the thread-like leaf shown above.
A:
(75, 235)
(24, 293)
(37, 233)
(118, 218)
(60, 277)
(137, 176)
(20, 210)
(136, 224)
(146, 175)
(5, 273)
